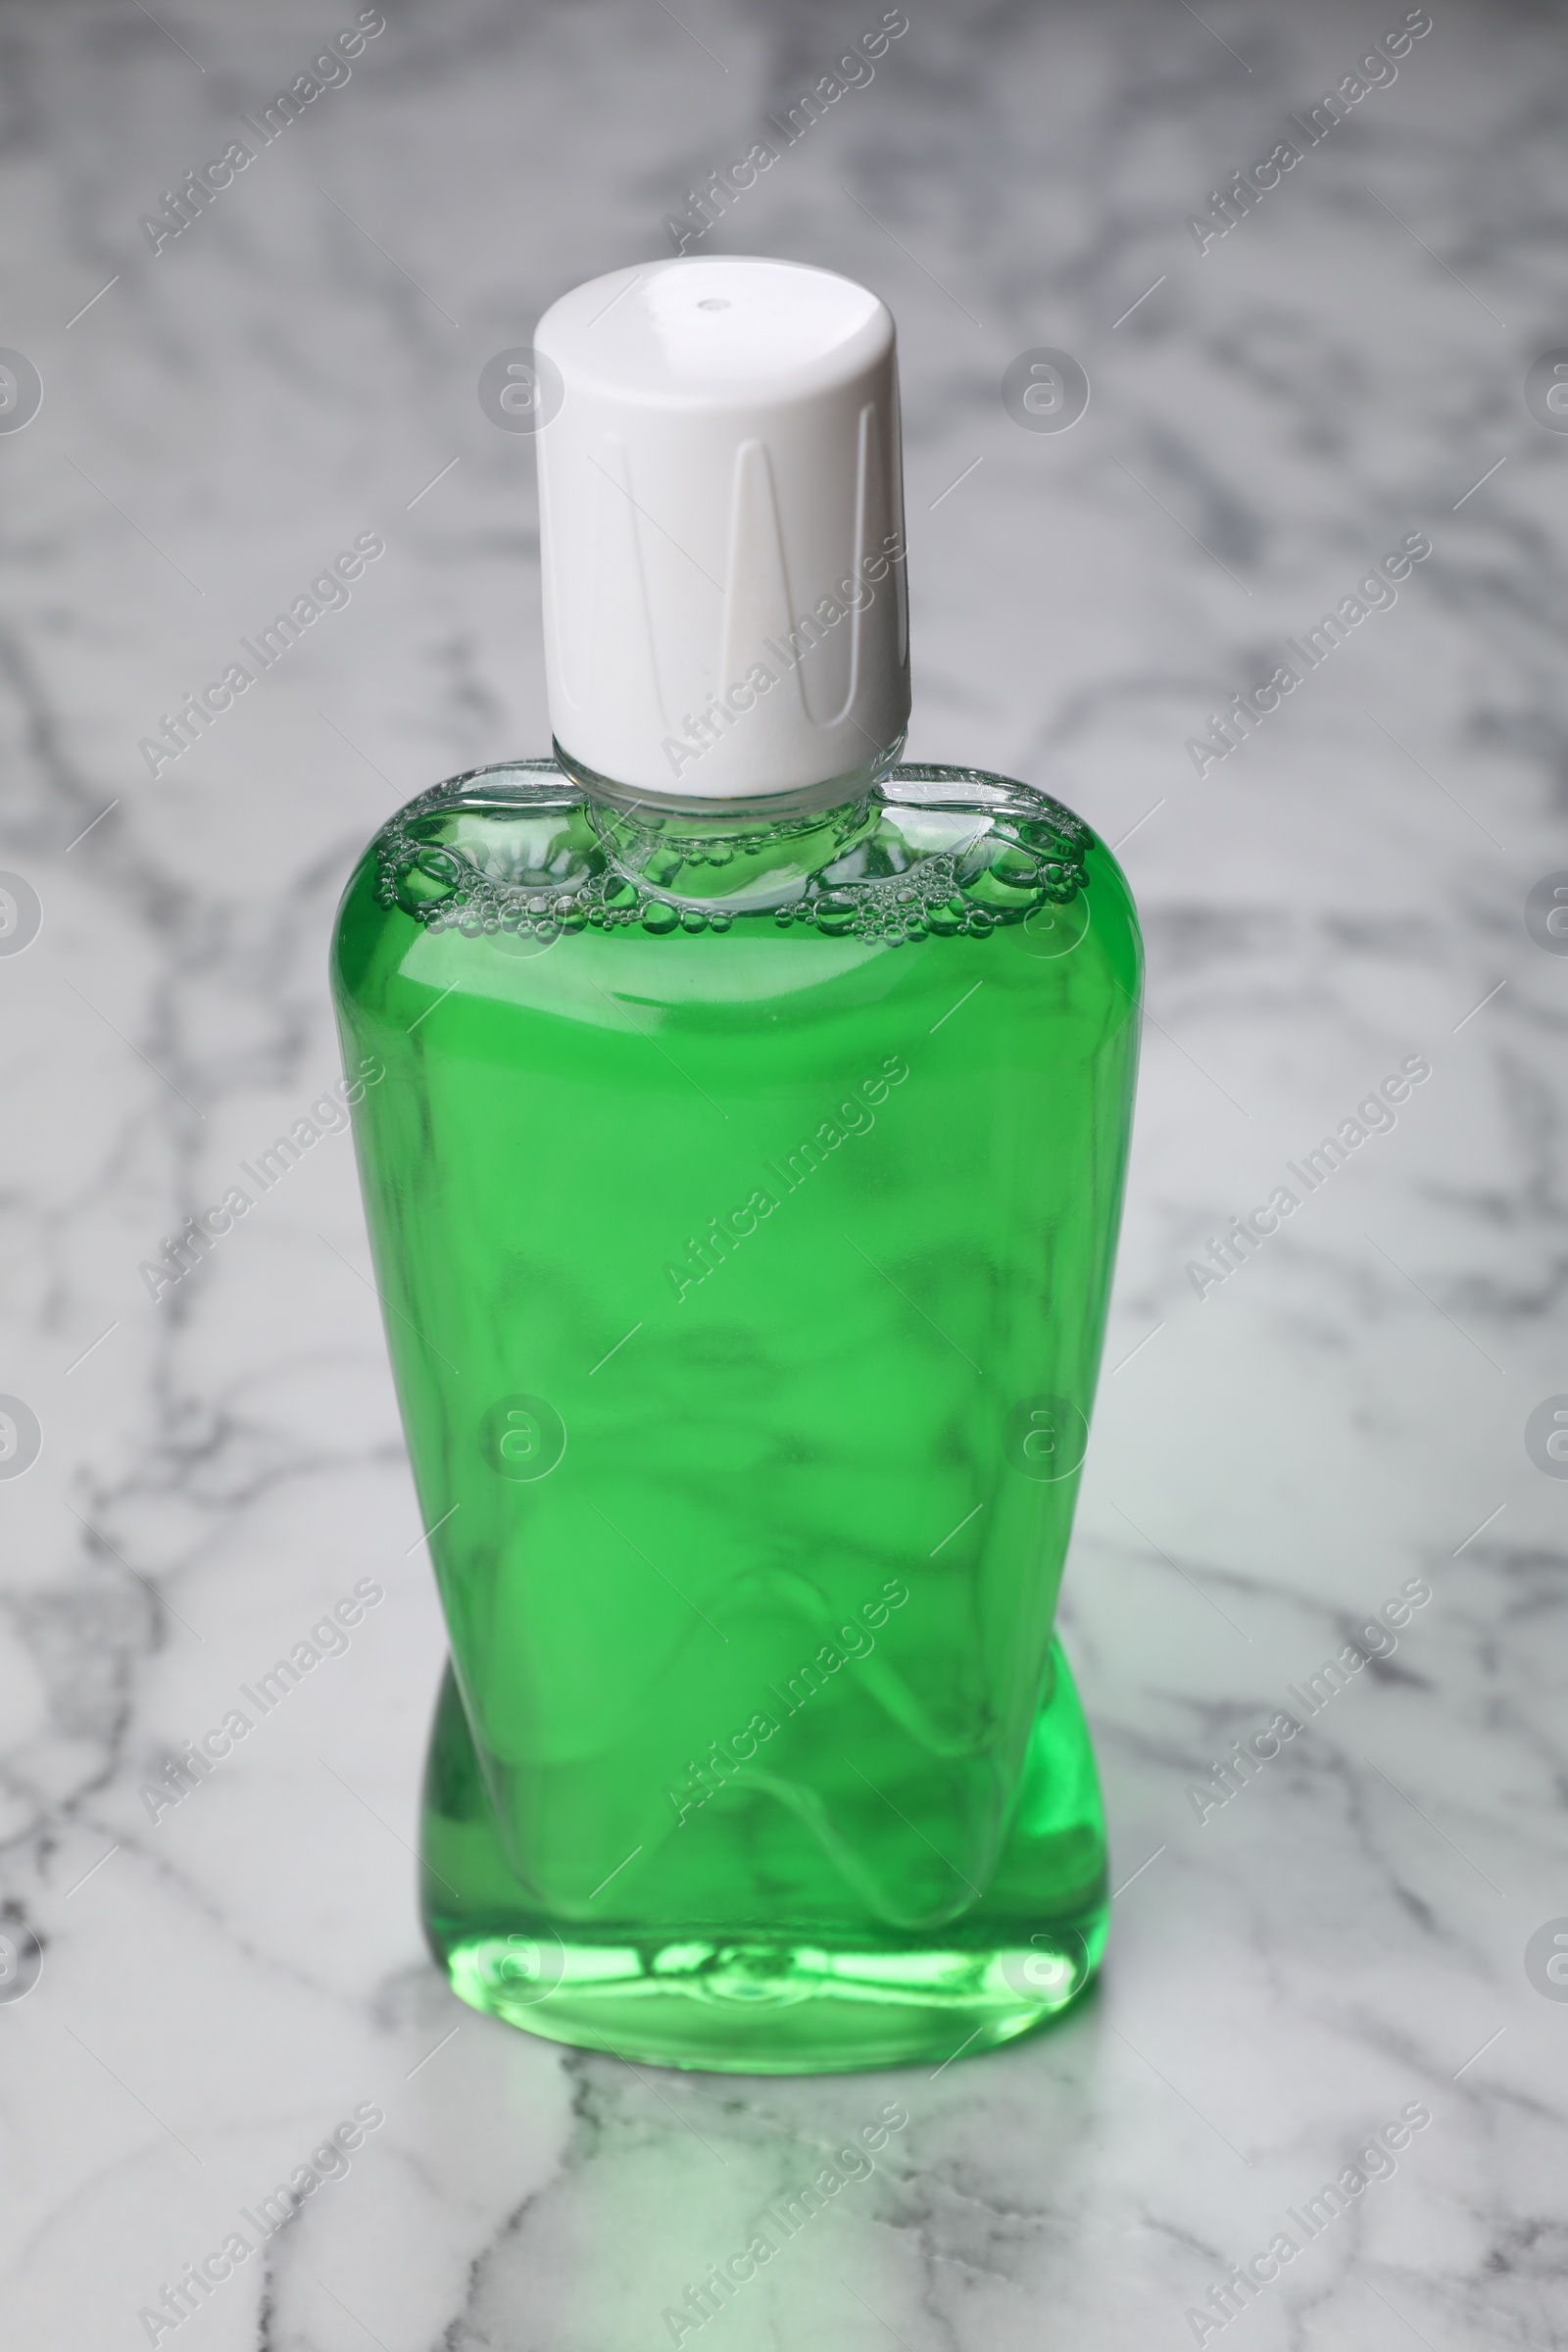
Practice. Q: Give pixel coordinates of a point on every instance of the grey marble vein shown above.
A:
(1276, 401)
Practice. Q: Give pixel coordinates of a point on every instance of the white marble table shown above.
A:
(1272, 410)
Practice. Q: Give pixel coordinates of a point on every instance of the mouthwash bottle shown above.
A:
(743, 1194)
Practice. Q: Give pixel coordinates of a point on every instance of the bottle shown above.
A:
(743, 1189)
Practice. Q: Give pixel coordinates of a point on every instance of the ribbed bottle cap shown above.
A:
(721, 529)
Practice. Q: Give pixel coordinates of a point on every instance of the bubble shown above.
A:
(528, 939)
(1015, 866)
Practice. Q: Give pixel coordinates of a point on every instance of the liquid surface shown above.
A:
(745, 1268)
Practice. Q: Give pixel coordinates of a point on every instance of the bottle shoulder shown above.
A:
(929, 852)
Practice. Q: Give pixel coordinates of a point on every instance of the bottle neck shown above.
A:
(743, 855)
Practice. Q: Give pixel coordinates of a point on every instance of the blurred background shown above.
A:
(1286, 382)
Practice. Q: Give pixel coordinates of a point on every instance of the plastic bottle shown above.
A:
(743, 1194)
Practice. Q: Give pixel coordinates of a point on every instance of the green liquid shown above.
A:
(746, 1269)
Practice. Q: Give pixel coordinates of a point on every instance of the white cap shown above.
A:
(721, 527)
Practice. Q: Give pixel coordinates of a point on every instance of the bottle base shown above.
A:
(775, 2008)
(760, 1995)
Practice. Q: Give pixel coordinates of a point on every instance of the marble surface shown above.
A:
(1272, 1463)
